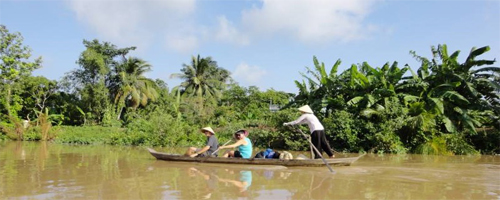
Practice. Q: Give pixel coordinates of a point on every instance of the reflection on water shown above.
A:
(30, 170)
(240, 180)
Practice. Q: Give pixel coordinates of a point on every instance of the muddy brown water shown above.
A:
(37, 170)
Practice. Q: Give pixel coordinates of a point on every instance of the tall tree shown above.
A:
(203, 78)
(131, 87)
(91, 81)
(14, 63)
(37, 93)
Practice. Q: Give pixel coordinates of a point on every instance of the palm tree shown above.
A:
(203, 78)
(130, 87)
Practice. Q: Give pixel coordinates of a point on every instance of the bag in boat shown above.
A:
(285, 155)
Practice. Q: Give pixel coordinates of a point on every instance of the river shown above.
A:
(40, 170)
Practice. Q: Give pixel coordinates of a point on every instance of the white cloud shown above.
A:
(228, 33)
(310, 21)
(248, 74)
(134, 22)
(182, 43)
(142, 22)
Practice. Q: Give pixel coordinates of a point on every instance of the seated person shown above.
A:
(243, 144)
(210, 147)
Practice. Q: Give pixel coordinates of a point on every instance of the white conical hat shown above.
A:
(306, 109)
(208, 129)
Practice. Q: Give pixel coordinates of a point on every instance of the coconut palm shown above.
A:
(130, 87)
(203, 78)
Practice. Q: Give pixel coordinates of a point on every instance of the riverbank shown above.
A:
(263, 137)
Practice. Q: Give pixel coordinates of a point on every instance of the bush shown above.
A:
(157, 129)
(86, 134)
(435, 146)
(33, 134)
(14, 130)
(342, 128)
(457, 144)
(3, 137)
(487, 140)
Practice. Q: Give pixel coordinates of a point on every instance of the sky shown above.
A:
(263, 43)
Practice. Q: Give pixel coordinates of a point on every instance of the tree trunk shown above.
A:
(120, 109)
(7, 100)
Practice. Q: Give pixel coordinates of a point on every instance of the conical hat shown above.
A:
(306, 109)
(208, 129)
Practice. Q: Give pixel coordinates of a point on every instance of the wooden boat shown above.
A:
(255, 161)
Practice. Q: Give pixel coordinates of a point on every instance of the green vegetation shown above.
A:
(445, 107)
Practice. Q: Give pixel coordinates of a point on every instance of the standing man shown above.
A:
(211, 146)
(318, 137)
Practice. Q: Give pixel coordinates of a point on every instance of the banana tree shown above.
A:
(460, 88)
(373, 89)
(324, 90)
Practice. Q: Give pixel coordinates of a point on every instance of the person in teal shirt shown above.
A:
(243, 144)
(244, 181)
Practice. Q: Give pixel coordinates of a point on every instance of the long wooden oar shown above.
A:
(219, 148)
(315, 149)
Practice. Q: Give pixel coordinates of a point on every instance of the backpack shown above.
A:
(268, 154)
(259, 155)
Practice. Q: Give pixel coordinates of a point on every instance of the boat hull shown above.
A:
(255, 161)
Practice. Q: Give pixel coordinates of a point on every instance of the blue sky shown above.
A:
(264, 43)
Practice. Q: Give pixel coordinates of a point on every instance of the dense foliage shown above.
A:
(445, 107)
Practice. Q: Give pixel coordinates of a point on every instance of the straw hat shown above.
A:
(207, 129)
(306, 109)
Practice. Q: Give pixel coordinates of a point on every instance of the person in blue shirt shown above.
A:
(243, 145)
